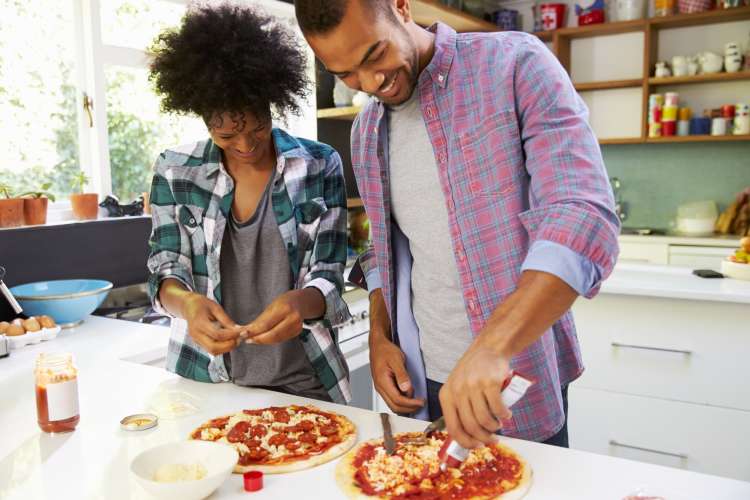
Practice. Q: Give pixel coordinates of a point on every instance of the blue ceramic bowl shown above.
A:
(67, 301)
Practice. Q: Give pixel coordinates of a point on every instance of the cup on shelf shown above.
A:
(692, 65)
(668, 128)
(683, 127)
(630, 10)
(733, 63)
(710, 62)
(671, 99)
(719, 126)
(700, 125)
(679, 66)
(692, 6)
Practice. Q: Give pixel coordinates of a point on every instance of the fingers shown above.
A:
(222, 317)
(210, 345)
(453, 422)
(386, 386)
(285, 330)
(476, 418)
(273, 315)
(401, 376)
(495, 403)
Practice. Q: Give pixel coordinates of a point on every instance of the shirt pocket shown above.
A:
(308, 215)
(492, 155)
(191, 220)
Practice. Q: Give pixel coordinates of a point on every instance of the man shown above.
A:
(490, 213)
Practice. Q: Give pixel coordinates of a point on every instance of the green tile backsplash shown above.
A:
(656, 178)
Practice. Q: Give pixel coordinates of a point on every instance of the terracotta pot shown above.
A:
(35, 211)
(146, 203)
(11, 212)
(85, 206)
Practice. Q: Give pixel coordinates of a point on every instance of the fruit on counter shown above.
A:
(740, 256)
(745, 244)
(736, 218)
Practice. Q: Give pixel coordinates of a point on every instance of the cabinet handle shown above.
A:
(682, 456)
(647, 348)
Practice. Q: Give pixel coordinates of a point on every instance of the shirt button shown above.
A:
(429, 112)
(441, 157)
(472, 306)
(461, 255)
(441, 78)
(451, 205)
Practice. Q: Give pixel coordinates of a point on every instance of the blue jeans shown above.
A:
(433, 400)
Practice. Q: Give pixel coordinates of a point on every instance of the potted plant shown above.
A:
(85, 205)
(11, 209)
(35, 205)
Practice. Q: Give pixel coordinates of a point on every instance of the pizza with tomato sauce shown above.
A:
(281, 438)
(413, 471)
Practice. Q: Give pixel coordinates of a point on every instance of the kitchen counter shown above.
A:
(673, 282)
(729, 241)
(115, 380)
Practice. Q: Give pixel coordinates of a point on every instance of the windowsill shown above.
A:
(58, 223)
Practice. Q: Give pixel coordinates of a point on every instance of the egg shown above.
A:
(32, 325)
(14, 330)
(46, 321)
(4, 326)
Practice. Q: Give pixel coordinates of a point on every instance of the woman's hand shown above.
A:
(209, 325)
(282, 319)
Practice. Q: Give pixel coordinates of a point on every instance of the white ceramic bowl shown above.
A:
(735, 270)
(218, 459)
(695, 227)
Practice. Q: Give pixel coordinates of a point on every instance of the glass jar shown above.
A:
(56, 392)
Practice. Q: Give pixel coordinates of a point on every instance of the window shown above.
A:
(39, 138)
(92, 49)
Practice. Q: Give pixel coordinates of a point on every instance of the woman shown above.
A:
(249, 227)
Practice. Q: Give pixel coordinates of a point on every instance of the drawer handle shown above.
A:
(682, 456)
(647, 348)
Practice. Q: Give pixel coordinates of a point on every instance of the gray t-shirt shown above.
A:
(254, 271)
(418, 205)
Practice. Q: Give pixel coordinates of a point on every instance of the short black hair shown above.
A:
(229, 59)
(317, 17)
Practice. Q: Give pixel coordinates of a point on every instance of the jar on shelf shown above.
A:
(56, 392)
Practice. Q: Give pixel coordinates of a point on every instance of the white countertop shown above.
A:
(93, 461)
(673, 282)
(729, 241)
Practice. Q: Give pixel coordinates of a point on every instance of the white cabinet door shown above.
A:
(694, 351)
(644, 253)
(687, 436)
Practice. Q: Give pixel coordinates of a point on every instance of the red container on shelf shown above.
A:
(727, 111)
(668, 128)
(593, 17)
(553, 15)
(693, 6)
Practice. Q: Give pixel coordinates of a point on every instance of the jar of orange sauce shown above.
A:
(56, 392)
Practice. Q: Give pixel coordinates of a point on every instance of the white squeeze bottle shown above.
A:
(452, 454)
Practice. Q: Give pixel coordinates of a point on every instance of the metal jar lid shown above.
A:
(139, 422)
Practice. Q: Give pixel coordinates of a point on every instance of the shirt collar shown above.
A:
(445, 49)
(287, 147)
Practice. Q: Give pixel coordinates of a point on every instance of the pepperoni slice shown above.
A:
(253, 443)
(329, 430)
(257, 453)
(306, 425)
(237, 433)
(281, 416)
(219, 422)
(196, 434)
(307, 437)
(277, 439)
(291, 445)
(258, 431)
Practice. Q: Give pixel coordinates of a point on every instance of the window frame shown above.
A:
(92, 56)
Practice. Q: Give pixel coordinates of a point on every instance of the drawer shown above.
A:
(683, 435)
(693, 351)
(652, 253)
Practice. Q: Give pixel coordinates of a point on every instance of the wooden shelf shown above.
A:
(701, 18)
(699, 138)
(347, 113)
(711, 77)
(427, 12)
(602, 29)
(545, 36)
(622, 140)
(354, 203)
(609, 85)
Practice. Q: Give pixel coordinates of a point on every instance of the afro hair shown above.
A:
(229, 59)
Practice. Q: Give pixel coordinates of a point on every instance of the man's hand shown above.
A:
(208, 324)
(388, 362)
(470, 398)
(282, 319)
(388, 365)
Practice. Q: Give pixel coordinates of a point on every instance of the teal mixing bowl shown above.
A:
(67, 301)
